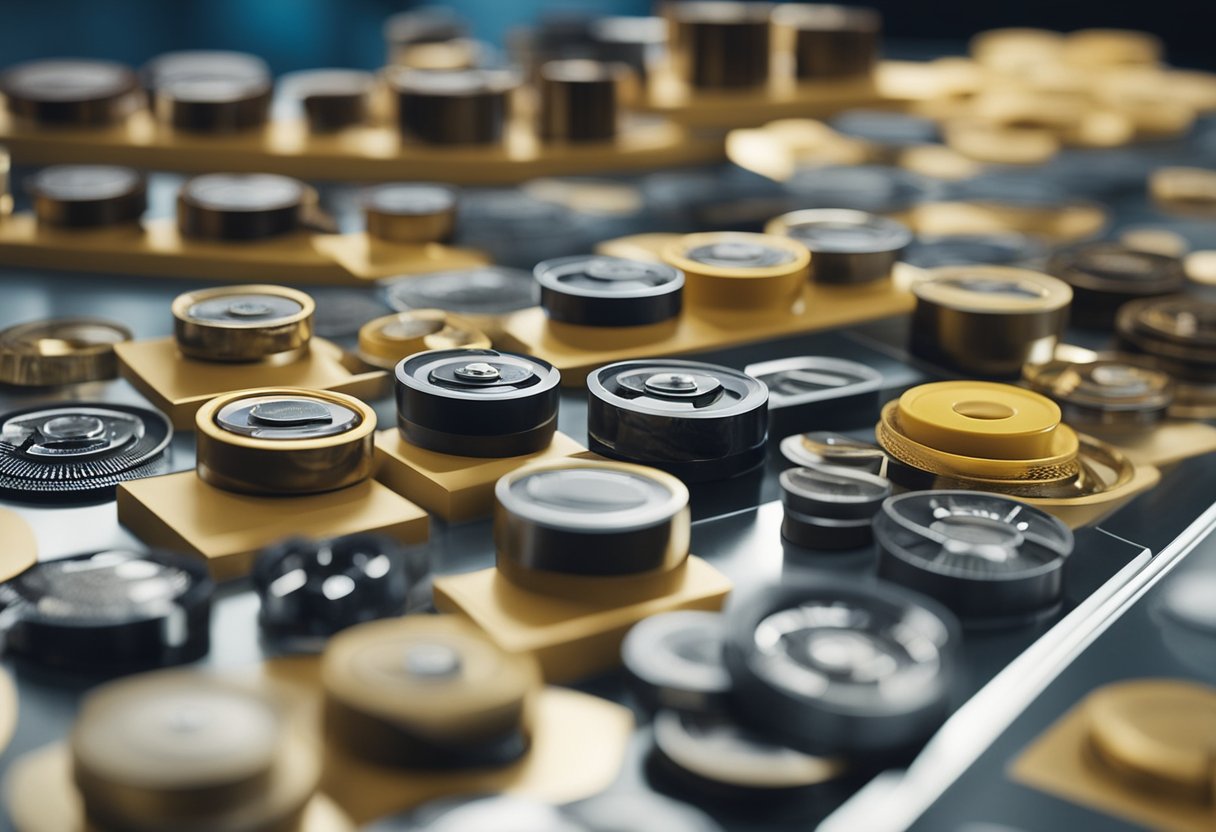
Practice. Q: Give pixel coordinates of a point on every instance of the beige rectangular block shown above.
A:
(571, 639)
(457, 488)
(179, 386)
(182, 513)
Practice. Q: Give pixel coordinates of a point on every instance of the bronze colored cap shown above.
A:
(739, 271)
(284, 441)
(411, 212)
(214, 105)
(450, 107)
(242, 206)
(722, 45)
(831, 41)
(60, 351)
(88, 196)
(385, 341)
(243, 323)
(70, 92)
(1156, 735)
(579, 100)
(188, 751)
(427, 691)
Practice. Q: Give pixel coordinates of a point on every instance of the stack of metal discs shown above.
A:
(284, 441)
(988, 320)
(427, 692)
(847, 247)
(812, 391)
(477, 402)
(79, 450)
(1114, 393)
(601, 291)
(999, 438)
(698, 421)
(835, 449)
(591, 529)
(108, 612)
(311, 589)
(60, 351)
(243, 323)
(830, 508)
(991, 559)
(1104, 276)
(1179, 334)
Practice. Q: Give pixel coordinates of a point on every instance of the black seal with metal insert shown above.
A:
(991, 559)
(70, 92)
(560, 525)
(674, 660)
(88, 196)
(79, 450)
(698, 421)
(242, 206)
(833, 666)
(830, 508)
(1113, 392)
(596, 290)
(243, 323)
(811, 391)
(114, 611)
(312, 589)
(1104, 276)
(848, 247)
(470, 402)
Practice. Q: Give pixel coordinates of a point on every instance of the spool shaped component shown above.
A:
(477, 402)
(427, 692)
(695, 420)
(243, 323)
(737, 271)
(574, 528)
(988, 320)
(283, 441)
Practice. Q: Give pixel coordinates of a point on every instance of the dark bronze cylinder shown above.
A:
(721, 45)
(579, 100)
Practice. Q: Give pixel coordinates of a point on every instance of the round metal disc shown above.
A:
(482, 290)
(286, 417)
(674, 660)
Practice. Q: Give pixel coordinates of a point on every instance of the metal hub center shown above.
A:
(290, 413)
(248, 309)
(478, 371)
(432, 661)
(73, 427)
(671, 383)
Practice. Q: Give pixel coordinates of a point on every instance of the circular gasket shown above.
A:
(598, 290)
(79, 450)
(88, 196)
(674, 660)
(242, 206)
(60, 351)
(243, 323)
(70, 92)
(848, 247)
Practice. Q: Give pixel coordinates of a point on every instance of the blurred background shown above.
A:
(299, 34)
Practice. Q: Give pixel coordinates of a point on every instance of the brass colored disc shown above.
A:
(304, 441)
(1155, 241)
(1156, 735)
(1111, 47)
(60, 351)
(1186, 190)
(190, 752)
(999, 144)
(1201, 267)
(1009, 50)
(385, 341)
(422, 690)
(978, 418)
(243, 323)
(740, 271)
